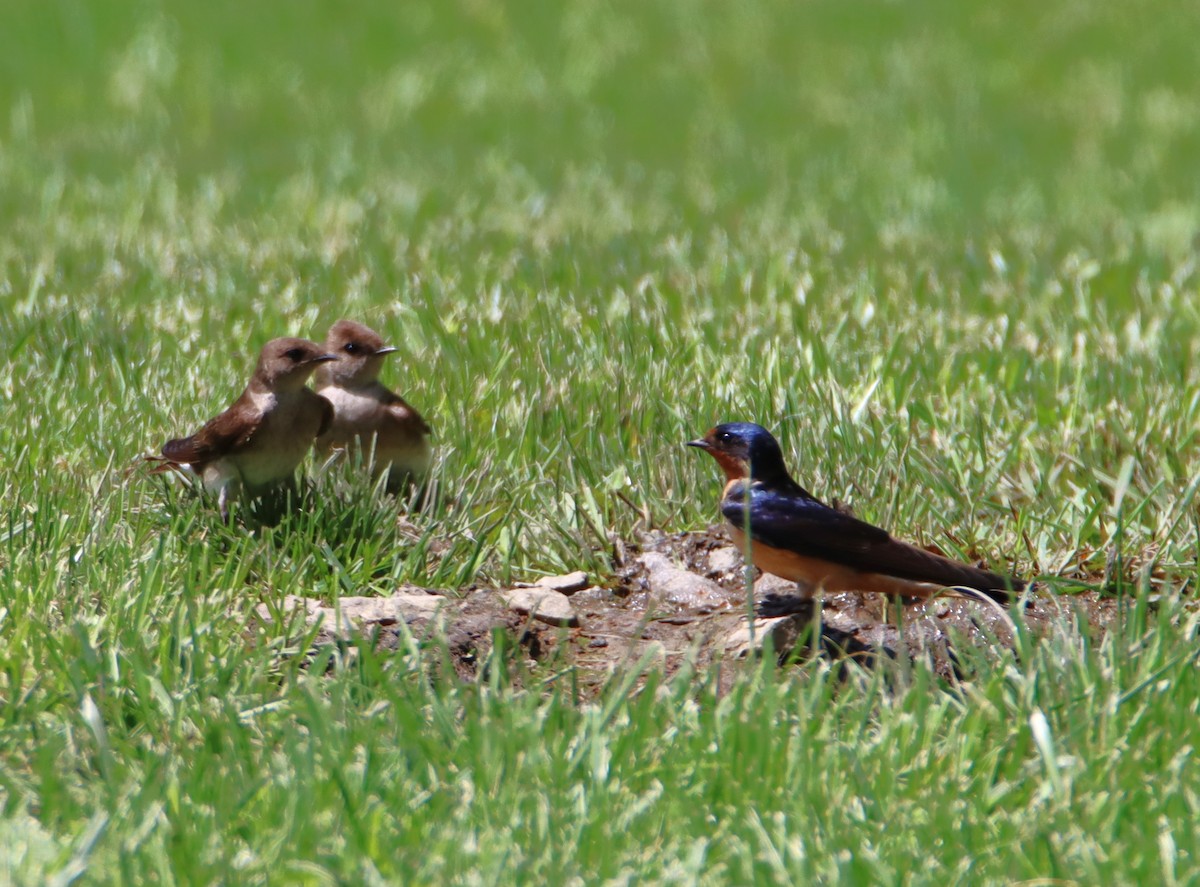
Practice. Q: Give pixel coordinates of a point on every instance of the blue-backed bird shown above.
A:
(797, 536)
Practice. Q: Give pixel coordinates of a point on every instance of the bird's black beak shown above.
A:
(701, 444)
(323, 358)
(387, 349)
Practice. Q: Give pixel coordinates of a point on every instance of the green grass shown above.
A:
(947, 254)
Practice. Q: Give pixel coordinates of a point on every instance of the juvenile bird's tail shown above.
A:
(161, 465)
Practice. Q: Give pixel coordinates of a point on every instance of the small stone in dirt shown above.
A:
(397, 608)
(567, 583)
(748, 638)
(422, 601)
(769, 583)
(671, 585)
(353, 613)
(724, 560)
(543, 604)
(593, 595)
(598, 642)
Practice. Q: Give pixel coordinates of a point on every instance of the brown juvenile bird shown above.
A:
(367, 416)
(795, 535)
(258, 442)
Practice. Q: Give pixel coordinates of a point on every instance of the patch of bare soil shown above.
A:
(679, 600)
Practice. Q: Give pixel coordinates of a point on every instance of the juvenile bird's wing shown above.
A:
(402, 413)
(327, 413)
(797, 522)
(228, 431)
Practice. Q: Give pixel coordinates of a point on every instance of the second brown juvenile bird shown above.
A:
(370, 418)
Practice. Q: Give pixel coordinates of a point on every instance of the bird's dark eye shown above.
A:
(294, 354)
(351, 348)
(725, 436)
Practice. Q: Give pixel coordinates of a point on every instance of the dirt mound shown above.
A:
(677, 600)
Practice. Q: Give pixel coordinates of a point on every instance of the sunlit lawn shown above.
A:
(948, 254)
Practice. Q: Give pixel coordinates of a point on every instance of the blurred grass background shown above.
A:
(925, 230)
(884, 121)
(947, 251)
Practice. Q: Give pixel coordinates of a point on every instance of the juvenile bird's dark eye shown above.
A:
(351, 348)
(294, 354)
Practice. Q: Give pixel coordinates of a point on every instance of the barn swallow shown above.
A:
(368, 416)
(264, 435)
(795, 535)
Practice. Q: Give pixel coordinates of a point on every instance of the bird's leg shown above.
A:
(223, 503)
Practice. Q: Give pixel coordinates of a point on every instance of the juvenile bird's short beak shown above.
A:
(701, 444)
(323, 358)
(387, 349)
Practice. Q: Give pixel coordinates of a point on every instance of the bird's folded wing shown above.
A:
(801, 524)
(327, 413)
(811, 528)
(228, 431)
(404, 415)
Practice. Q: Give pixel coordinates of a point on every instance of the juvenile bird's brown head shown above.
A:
(359, 351)
(285, 364)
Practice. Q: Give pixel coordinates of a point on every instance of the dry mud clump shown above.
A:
(678, 600)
